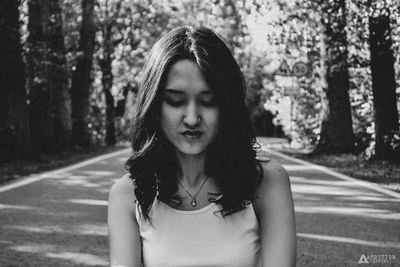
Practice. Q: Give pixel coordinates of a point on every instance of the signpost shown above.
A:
(300, 69)
(284, 69)
(289, 82)
(290, 90)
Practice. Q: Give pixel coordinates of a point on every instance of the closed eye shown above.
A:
(210, 102)
(176, 98)
(173, 101)
(208, 99)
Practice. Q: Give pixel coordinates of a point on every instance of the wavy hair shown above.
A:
(230, 158)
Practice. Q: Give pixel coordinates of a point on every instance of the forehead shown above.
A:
(185, 75)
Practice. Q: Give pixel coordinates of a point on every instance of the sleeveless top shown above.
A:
(199, 237)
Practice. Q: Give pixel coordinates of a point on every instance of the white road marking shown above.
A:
(381, 244)
(367, 184)
(37, 177)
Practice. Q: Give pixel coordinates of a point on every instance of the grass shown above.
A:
(386, 174)
(19, 168)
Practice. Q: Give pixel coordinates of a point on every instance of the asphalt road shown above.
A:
(341, 221)
(59, 218)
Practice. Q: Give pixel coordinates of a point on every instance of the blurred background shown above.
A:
(323, 87)
(322, 75)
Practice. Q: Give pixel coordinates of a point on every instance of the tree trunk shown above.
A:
(383, 83)
(107, 79)
(58, 79)
(48, 78)
(40, 104)
(14, 122)
(110, 118)
(336, 129)
(81, 80)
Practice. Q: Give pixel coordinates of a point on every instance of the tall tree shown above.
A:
(109, 28)
(39, 94)
(81, 80)
(336, 129)
(107, 80)
(14, 122)
(58, 79)
(127, 31)
(47, 77)
(383, 81)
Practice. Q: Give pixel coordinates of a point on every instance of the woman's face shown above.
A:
(190, 116)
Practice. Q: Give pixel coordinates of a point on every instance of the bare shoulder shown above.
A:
(123, 189)
(274, 210)
(273, 174)
(121, 199)
(274, 187)
(123, 228)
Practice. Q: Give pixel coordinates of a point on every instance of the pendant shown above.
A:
(194, 203)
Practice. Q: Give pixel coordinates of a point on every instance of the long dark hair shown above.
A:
(231, 157)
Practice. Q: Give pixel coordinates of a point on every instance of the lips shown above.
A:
(193, 134)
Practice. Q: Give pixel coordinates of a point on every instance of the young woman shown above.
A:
(196, 194)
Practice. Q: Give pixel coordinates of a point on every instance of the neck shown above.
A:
(193, 169)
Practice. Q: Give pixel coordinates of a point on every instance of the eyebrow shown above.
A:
(179, 92)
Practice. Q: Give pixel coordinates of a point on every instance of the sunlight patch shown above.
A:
(297, 167)
(381, 244)
(34, 248)
(96, 174)
(329, 190)
(78, 258)
(356, 211)
(80, 183)
(85, 229)
(36, 229)
(90, 229)
(303, 180)
(18, 207)
(95, 202)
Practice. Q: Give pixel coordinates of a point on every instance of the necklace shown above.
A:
(193, 202)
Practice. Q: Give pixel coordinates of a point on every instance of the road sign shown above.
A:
(284, 69)
(300, 69)
(289, 84)
(290, 90)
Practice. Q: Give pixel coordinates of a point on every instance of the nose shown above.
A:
(191, 117)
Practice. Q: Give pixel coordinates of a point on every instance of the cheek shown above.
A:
(214, 120)
(168, 118)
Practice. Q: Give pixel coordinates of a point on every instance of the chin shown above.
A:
(191, 151)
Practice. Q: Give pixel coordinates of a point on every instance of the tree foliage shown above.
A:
(83, 60)
(296, 29)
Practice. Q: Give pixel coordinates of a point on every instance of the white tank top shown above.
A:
(199, 237)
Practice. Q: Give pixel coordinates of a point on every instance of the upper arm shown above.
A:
(124, 238)
(275, 213)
